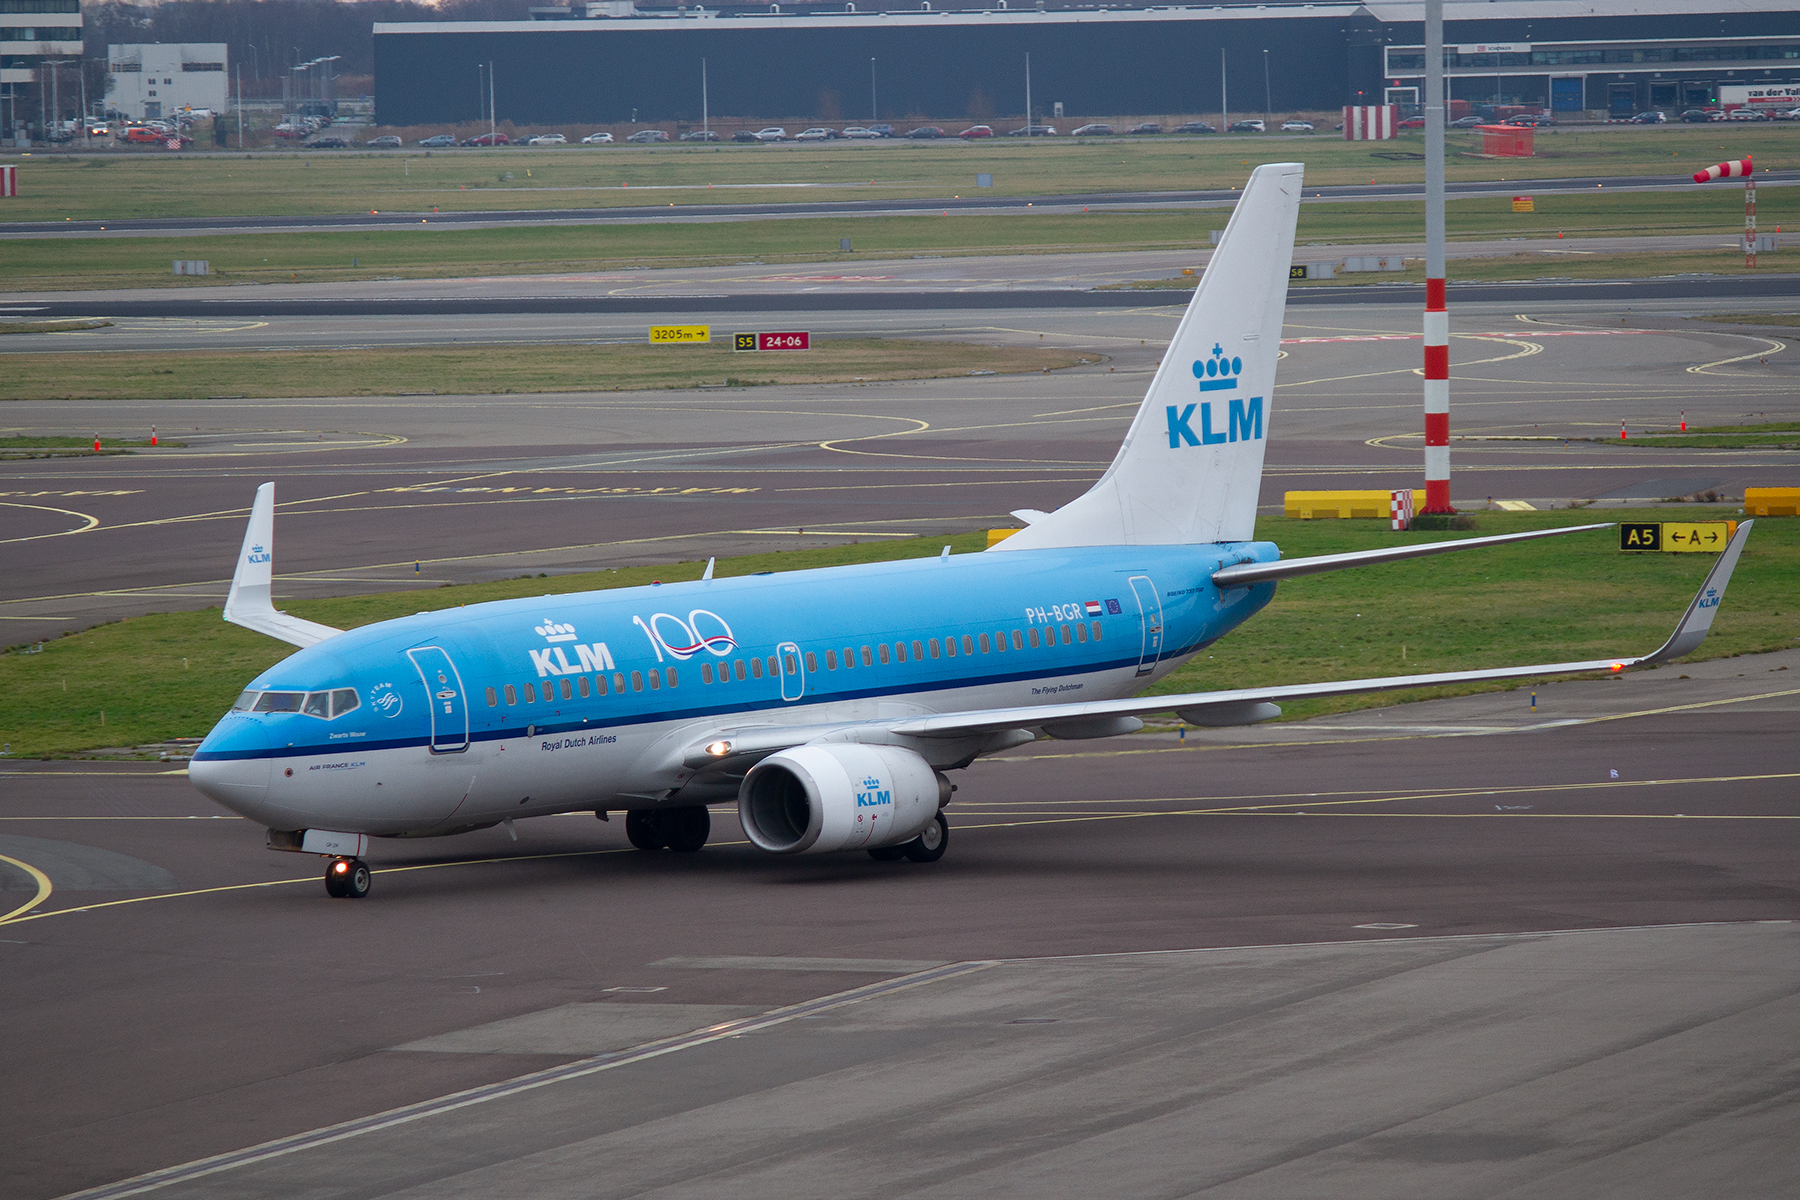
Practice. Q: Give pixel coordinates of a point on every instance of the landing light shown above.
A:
(718, 749)
(340, 867)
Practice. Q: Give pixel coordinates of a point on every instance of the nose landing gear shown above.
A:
(347, 878)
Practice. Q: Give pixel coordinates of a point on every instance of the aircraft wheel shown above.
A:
(888, 853)
(337, 873)
(357, 880)
(686, 829)
(643, 829)
(930, 845)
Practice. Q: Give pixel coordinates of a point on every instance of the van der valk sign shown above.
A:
(1767, 95)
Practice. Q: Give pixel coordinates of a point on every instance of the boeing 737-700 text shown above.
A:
(830, 704)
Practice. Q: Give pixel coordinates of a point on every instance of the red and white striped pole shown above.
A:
(1437, 317)
(1739, 168)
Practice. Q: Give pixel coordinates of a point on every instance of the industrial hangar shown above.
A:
(857, 60)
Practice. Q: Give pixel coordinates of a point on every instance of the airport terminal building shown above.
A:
(859, 61)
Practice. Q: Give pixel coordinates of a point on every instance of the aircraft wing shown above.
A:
(250, 603)
(1690, 631)
(1245, 574)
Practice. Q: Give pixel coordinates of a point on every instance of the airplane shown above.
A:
(831, 704)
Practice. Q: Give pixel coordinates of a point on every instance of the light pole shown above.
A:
(55, 65)
(480, 91)
(1224, 108)
(872, 109)
(1028, 95)
(1268, 104)
(703, 105)
(491, 118)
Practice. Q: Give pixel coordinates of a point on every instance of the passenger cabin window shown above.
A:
(1096, 631)
(985, 646)
(637, 681)
(885, 658)
(550, 690)
(655, 679)
(1018, 640)
(969, 645)
(705, 672)
(933, 644)
(756, 668)
(279, 702)
(672, 680)
(582, 686)
(774, 669)
(619, 681)
(493, 698)
(568, 692)
(831, 660)
(1034, 637)
(512, 695)
(1067, 638)
(919, 651)
(812, 661)
(792, 666)
(599, 685)
(531, 693)
(1081, 633)
(869, 659)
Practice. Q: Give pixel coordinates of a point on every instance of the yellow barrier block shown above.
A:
(1772, 502)
(1310, 506)
(996, 536)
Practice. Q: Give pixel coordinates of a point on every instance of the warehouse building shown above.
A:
(857, 61)
(161, 79)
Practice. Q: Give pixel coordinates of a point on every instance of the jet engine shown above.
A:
(843, 796)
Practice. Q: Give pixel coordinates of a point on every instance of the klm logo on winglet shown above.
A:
(1711, 599)
(1243, 418)
(257, 555)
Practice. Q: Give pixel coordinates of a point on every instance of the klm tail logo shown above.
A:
(1243, 418)
(1243, 423)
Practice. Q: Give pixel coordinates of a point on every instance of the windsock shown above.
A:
(1725, 170)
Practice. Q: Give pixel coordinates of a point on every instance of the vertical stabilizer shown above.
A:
(1190, 468)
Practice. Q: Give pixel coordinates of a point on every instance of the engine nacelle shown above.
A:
(844, 796)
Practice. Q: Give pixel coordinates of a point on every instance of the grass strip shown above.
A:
(172, 675)
(1783, 320)
(434, 251)
(7, 327)
(153, 183)
(1543, 265)
(494, 370)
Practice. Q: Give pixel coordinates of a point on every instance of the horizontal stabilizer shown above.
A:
(250, 603)
(1249, 573)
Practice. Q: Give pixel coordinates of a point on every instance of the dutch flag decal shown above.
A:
(1093, 608)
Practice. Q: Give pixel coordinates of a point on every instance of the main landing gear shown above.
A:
(680, 829)
(347, 878)
(929, 846)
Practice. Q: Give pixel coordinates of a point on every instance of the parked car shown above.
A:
(977, 131)
(386, 141)
(1093, 129)
(1032, 131)
(151, 136)
(1245, 127)
(882, 130)
(744, 135)
(700, 135)
(857, 133)
(488, 139)
(1466, 123)
(774, 133)
(324, 143)
(98, 129)
(1530, 121)
(1650, 118)
(597, 139)
(1296, 127)
(1411, 123)
(1145, 127)
(1746, 114)
(645, 137)
(548, 139)
(1791, 114)
(1196, 127)
(925, 133)
(817, 133)
(440, 139)
(1695, 116)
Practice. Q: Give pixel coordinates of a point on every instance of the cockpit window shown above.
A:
(279, 702)
(344, 700)
(318, 704)
(246, 702)
(324, 705)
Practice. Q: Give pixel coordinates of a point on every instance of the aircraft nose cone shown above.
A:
(232, 766)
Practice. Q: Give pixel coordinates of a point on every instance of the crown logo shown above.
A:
(550, 631)
(1218, 373)
(871, 784)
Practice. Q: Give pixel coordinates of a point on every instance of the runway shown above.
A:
(412, 491)
(703, 205)
(1388, 1008)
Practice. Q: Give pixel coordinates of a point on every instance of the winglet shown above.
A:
(1697, 621)
(250, 602)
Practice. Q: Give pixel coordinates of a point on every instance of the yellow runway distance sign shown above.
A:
(1676, 537)
(660, 334)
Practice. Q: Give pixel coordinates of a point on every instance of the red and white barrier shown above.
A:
(1735, 169)
(1400, 508)
(1370, 122)
(9, 181)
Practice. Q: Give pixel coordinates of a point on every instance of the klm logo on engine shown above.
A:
(1243, 418)
(872, 795)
